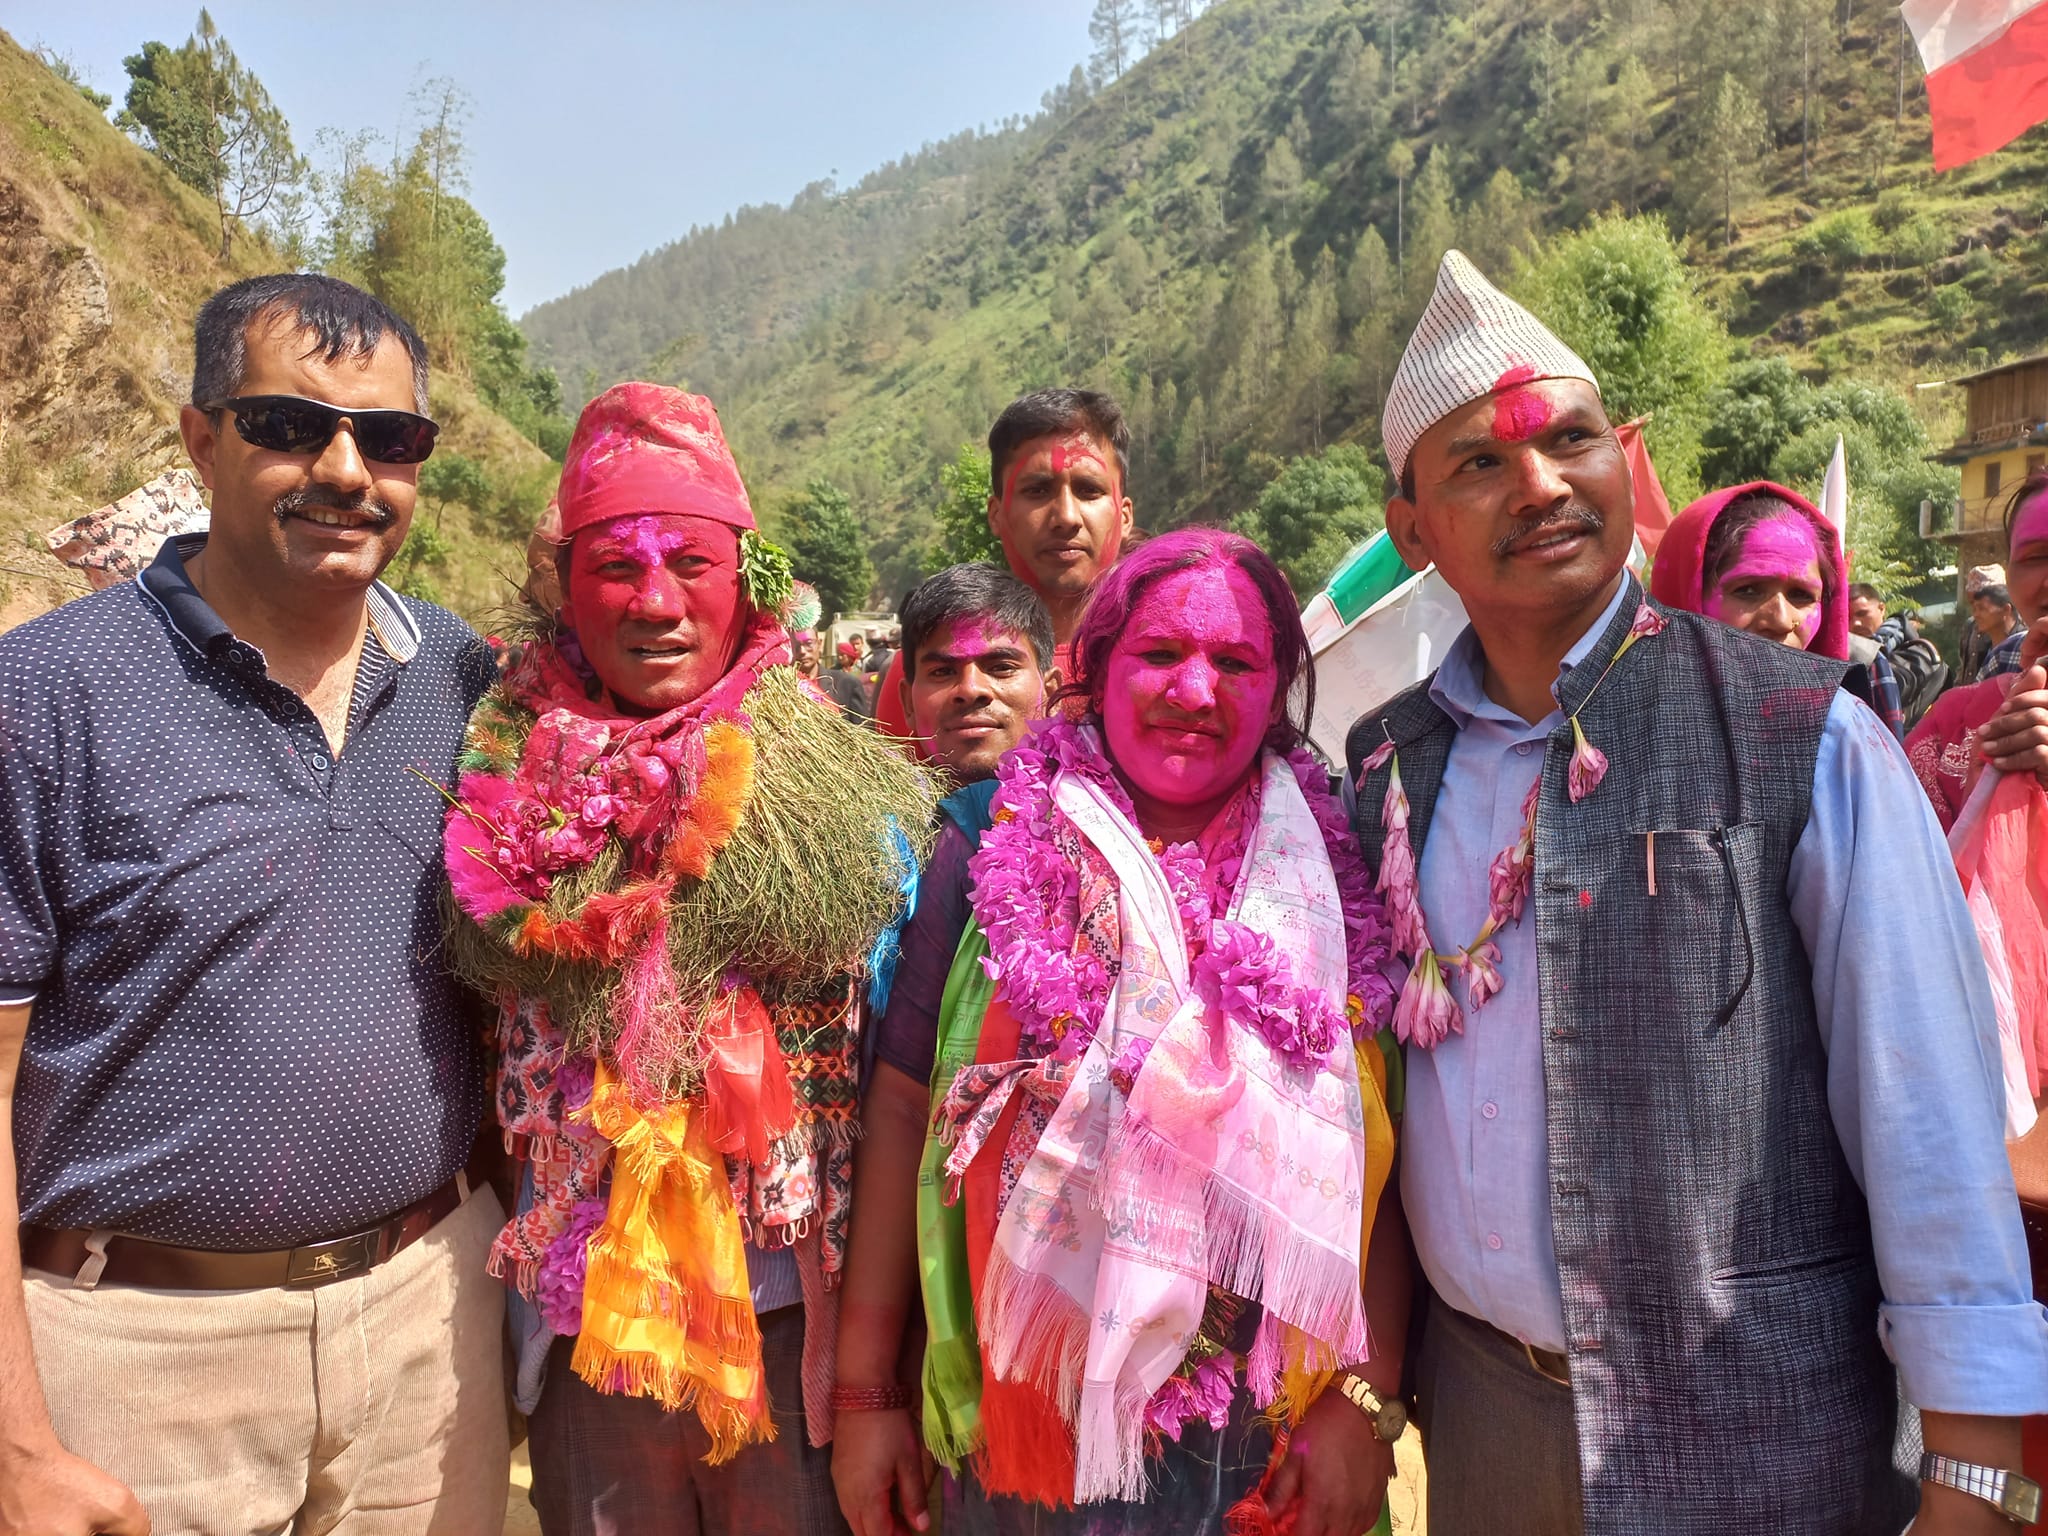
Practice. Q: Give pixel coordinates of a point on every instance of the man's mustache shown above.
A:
(296, 503)
(1576, 517)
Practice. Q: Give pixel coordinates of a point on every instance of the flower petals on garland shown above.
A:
(1026, 896)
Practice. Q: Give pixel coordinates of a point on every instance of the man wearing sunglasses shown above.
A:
(246, 1290)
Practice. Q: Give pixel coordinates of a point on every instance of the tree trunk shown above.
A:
(1899, 111)
(1805, 97)
(1400, 231)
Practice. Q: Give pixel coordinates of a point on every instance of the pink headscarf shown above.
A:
(1678, 579)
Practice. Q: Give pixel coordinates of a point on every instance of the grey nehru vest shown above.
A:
(1720, 1292)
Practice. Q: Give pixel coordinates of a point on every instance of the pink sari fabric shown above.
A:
(1943, 746)
(1133, 1202)
(1997, 825)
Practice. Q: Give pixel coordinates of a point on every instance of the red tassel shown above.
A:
(749, 1103)
(1252, 1515)
(1028, 1449)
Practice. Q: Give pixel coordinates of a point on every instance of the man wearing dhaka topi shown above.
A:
(1703, 1168)
(670, 858)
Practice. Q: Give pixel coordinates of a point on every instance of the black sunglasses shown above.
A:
(289, 424)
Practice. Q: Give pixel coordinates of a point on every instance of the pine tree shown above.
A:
(1436, 227)
(1731, 140)
(1113, 28)
(207, 116)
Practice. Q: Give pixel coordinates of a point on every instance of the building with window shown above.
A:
(2005, 436)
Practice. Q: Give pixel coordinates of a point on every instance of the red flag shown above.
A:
(1653, 508)
(1987, 72)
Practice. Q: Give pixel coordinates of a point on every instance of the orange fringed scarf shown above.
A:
(667, 1313)
(1027, 1448)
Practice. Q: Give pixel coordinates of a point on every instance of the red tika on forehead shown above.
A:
(1065, 456)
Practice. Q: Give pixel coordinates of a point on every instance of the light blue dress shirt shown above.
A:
(1904, 1013)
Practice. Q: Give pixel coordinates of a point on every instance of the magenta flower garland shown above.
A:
(1027, 895)
(1427, 1011)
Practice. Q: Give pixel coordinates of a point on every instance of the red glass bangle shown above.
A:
(870, 1399)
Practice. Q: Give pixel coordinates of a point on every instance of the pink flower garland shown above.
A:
(1027, 898)
(1427, 1011)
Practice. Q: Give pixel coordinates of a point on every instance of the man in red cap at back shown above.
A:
(670, 860)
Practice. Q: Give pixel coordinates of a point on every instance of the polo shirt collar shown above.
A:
(166, 581)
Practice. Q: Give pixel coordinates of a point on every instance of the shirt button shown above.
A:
(1490, 1109)
(319, 762)
(1522, 749)
(1493, 1241)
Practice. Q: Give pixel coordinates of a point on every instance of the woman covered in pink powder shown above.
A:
(1162, 1100)
(1760, 558)
(2001, 723)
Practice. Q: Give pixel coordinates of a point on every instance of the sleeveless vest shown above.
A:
(1720, 1289)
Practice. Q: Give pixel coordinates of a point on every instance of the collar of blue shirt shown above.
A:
(1459, 688)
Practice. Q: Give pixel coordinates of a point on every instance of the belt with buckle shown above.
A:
(1547, 1363)
(93, 1256)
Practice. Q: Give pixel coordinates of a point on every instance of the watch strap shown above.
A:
(2017, 1498)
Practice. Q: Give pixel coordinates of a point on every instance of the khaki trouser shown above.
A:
(374, 1406)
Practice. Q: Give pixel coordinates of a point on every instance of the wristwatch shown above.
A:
(2015, 1497)
(1387, 1415)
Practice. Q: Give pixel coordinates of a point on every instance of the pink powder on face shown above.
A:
(2030, 523)
(1064, 457)
(1780, 550)
(1191, 686)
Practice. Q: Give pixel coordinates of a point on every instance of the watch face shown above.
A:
(1391, 1421)
(2021, 1499)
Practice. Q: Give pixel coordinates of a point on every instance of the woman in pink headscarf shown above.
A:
(2002, 723)
(1761, 558)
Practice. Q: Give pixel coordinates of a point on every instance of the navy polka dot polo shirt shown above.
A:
(243, 1033)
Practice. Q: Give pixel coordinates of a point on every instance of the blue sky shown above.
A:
(604, 129)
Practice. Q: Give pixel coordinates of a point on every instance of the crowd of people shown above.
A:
(1004, 1081)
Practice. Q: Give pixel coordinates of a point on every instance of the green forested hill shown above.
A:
(1235, 237)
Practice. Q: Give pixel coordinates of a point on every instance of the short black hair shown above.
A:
(1994, 593)
(976, 590)
(343, 320)
(1045, 411)
(1863, 591)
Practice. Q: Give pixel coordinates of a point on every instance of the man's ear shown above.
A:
(994, 513)
(202, 438)
(1050, 684)
(903, 699)
(1404, 527)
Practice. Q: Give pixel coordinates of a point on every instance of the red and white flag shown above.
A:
(1987, 72)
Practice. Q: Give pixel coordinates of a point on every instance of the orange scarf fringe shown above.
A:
(667, 1312)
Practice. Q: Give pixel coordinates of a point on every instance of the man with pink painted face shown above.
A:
(662, 880)
(1059, 503)
(1166, 1142)
(1670, 1078)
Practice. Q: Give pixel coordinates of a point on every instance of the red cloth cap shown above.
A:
(1677, 581)
(848, 651)
(648, 448)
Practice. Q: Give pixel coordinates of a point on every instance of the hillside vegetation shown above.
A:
(105, 258)
(1236, 235)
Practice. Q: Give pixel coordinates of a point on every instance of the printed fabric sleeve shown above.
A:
(907, 1034)
(1914, 1081)
(28, 920)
